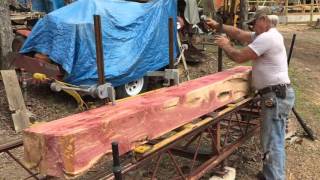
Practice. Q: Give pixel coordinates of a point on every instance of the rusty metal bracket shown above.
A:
(6, 147)
(33, 65)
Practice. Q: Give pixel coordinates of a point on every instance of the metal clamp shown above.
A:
(168, 74)
(96, 91)
(172, 74)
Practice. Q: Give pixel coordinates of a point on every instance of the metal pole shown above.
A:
(304, 125)
(220, 49)
(11, 145)
(22, 165)
(99, 49)
(171, 44)
(300, 120)
(291, 48)
(116, 161)
(6, 147)
(219, 59)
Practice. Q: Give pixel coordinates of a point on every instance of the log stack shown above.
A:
(71, 145)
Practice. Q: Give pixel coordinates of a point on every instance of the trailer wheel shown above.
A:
(132, 88)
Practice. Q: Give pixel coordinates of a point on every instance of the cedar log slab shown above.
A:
(71, 145)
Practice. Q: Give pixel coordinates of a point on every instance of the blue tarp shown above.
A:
(44, 5)
(135, 39)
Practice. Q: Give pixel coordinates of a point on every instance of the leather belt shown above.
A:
(273, 88)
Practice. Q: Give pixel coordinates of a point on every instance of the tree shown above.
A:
(6, 35)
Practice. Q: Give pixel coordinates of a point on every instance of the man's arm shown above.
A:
(237, 55)
(238, 34)
(232, 32)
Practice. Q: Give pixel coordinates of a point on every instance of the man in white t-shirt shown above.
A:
(270, 78)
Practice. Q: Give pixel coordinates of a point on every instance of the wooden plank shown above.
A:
(71, 145)
(186, 129)
(20, 120)
(15, 100)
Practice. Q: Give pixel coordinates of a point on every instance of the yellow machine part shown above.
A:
(81, 104)
(39, 76)
(142, 149)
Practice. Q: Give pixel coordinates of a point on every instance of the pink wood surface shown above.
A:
(71, 145)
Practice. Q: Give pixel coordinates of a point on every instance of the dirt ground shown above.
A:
(302, 154)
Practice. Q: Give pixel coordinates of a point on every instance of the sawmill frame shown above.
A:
(226, 129)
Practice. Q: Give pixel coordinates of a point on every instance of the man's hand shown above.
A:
(221, 41)
(180, 22)
(211, 23)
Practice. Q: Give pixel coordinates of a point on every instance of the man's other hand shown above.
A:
(221, 41)
(211, 23)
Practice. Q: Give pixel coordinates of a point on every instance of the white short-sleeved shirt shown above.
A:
(271, 67)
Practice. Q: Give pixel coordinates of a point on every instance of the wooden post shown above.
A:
(243, 13)
(311, 11)
(286, 8)
(304, 9)
(16, 103)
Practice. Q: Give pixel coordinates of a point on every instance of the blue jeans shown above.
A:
(274, 114)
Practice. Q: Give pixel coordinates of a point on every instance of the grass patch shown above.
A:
(304, 99)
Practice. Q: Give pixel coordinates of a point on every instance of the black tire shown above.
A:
(136, 87)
